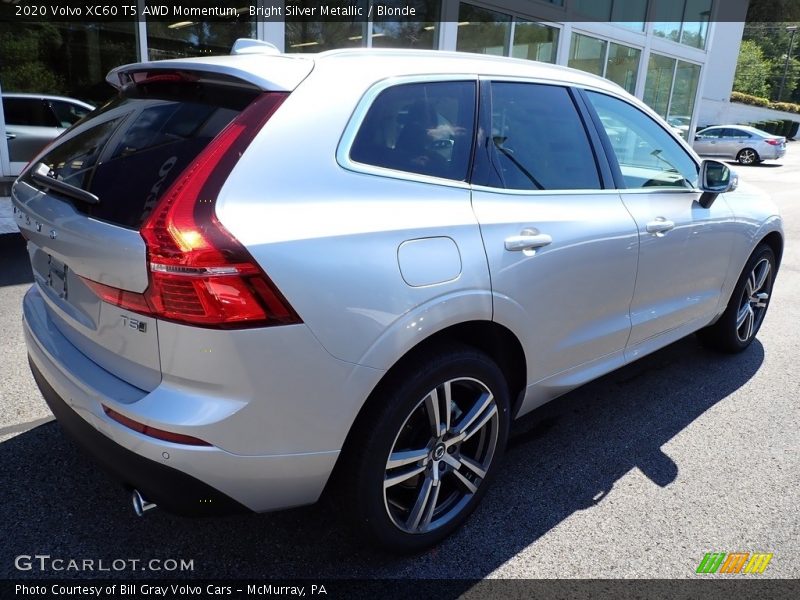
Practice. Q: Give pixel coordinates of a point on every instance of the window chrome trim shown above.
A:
(359, 114)
(559, 192)
(584, 192)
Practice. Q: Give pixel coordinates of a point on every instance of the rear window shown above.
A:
(129, 152)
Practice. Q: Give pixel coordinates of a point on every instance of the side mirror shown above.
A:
(715, 179)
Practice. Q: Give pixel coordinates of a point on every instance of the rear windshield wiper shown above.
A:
(40, 176)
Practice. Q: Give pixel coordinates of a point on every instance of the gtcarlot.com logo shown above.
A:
(45, 562)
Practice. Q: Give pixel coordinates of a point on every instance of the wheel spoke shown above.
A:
(431, 507)
(448, 405)
(470, 487)
(422, 512)
(475, 428)
(452, 461)
(483, 402)
(432, 408)
(406, 457)
(742, 316)
(401, 477)
(473, 466)
(749, 322)
(415, 515)
(761, 278)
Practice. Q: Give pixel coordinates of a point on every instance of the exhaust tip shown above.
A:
(140, 505)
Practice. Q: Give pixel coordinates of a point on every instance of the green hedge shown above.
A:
(764, 102)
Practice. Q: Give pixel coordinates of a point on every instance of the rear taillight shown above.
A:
(773, 142)
(199, 273)
(159, 434)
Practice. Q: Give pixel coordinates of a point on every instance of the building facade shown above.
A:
(670, 53)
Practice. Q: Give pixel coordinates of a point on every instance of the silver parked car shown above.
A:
(34, 120)
(244, 293)
(747, 145)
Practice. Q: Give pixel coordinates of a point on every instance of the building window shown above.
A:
(535, 41)
(622, 65)
(683, 21)
(186, 38)
(386, 32)
(660, 71)
(67, 59)
(670, 90)
(587, 53)
(422, 33)
(317, 36)
(625, 13)
(615, 62)
(483, 31)
(490, 32)
(684, 91)
(629, 13)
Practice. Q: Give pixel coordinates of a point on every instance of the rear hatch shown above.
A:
(82, 203)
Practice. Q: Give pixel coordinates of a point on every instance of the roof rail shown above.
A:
(251, 46)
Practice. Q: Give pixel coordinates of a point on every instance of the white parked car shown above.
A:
(34, 120)
(258, 275)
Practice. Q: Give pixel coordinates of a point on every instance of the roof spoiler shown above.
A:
(251, 46)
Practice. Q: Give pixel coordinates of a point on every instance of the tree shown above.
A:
(790, 87)
(752, 71)
(24, 58)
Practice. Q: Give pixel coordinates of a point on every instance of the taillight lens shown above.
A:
(159, 434)
(199, 273)
(773, 142)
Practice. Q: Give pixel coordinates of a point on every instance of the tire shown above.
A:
(737, 327)
(748, 156)
(400, 506)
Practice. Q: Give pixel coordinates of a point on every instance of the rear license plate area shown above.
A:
(57, 277)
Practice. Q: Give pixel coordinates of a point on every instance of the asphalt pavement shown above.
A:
(635, 475)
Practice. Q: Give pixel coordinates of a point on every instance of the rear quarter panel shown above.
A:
(329, 237)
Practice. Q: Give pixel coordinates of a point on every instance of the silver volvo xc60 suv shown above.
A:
(257, 275)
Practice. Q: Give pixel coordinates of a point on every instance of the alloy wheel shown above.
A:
(441, 455)
(755, 297)
(747, 157)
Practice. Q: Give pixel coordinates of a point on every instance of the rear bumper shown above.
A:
(171, 489)
(182, 478)
(772, 152)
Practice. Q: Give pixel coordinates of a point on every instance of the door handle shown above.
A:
(10, 136)
(527, 241)
(660, 226)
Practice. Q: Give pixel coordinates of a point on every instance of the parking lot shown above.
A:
(638, 474)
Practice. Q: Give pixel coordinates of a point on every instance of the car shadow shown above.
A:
(15, 266)
(763, 165)
(562, 458)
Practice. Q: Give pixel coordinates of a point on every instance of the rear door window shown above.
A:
(538, 139)
(129, 152)
(710, 134)
(424, 128)
(32, 112)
